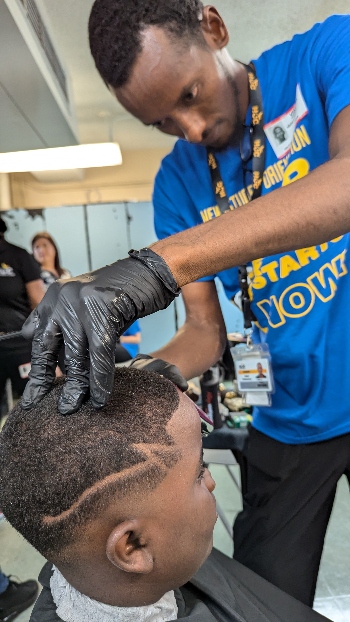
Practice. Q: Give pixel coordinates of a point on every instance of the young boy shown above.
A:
(120, 502)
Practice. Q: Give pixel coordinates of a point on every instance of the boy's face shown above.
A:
(182, 510)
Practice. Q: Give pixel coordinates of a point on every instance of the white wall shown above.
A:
(256, 25)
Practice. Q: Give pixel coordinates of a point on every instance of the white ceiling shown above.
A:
(254, 25)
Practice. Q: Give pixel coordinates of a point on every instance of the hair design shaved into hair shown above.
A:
(57, 472)
(116, 27)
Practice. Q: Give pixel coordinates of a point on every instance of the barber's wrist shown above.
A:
(157, 264)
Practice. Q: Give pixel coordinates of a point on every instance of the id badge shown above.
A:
(24, 370)
(254, 373)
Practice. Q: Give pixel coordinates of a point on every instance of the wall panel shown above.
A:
(67, 226)
(92, 236)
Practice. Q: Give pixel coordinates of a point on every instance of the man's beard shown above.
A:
(235, 137)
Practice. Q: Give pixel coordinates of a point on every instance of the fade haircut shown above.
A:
(116, 28)
(57, 473)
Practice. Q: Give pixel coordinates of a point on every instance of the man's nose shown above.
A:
(192, 126)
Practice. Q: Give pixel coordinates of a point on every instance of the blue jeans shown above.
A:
(4, 581)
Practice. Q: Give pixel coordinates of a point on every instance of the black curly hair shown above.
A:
(57, 473)
(116, 26)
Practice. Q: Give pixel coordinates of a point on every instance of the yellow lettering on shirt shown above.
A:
(271, 270)
(287, 265)
(258, 280)
(306, 254)
(298, 299)
(272, 175)
(296, 170)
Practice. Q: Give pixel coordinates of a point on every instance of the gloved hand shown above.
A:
(88, 313)
(169, 371)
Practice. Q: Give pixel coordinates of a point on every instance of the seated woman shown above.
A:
(119, 500)
(46, 253)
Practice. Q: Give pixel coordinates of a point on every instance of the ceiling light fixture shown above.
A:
(61, 158)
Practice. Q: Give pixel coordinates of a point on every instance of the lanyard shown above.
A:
(256, 159)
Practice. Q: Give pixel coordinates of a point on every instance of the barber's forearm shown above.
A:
(310, 211)
(131, 338)
(193, 350)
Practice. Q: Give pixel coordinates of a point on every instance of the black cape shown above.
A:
(221, 591)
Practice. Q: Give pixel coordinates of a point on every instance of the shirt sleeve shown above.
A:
(330, 58)
(29, 268)
(133, 329)
(171, 204)
(168, 194)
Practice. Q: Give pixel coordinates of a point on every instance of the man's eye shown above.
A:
(191, 95)
(201, 473)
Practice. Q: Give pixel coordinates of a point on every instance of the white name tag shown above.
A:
(257, 399)
(280, 131)
(254, 373)
(24, 370)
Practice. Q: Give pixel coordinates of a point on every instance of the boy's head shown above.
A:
(117, 499)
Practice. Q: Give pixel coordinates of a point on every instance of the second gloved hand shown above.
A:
(169, 371)
(88, 313)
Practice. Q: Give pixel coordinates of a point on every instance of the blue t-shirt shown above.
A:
(301, 299)
(132, 348)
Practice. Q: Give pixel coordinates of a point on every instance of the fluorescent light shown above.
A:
(78, 156)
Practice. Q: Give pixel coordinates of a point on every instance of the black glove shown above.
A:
(169, 371)
(88, 313)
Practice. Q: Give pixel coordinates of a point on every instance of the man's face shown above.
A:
(182, 510)
(279, 134)
(259, 367)
(184, 89)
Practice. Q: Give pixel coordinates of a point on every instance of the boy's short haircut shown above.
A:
(57, 473)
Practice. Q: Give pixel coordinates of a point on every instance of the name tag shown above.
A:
(280, 131)
(254, 373)
(24, 370)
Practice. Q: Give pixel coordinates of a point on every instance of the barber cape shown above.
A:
(221, 591)
(72, 606)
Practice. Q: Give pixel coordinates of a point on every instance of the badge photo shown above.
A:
(280, 131)
(24, 370)
(253, 374)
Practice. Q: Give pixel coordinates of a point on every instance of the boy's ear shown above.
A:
(127, 549)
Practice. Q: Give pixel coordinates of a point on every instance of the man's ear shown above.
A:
(127, 549)
(214, 29)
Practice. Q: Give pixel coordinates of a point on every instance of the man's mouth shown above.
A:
(212, 139)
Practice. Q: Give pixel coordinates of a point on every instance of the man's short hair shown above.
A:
(57, 473)
(116, 26)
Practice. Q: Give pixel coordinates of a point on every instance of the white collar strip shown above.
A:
(72, 606)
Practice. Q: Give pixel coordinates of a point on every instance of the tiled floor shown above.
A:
(333, 590)
(18, 558)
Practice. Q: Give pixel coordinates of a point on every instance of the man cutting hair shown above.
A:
(168, 65)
